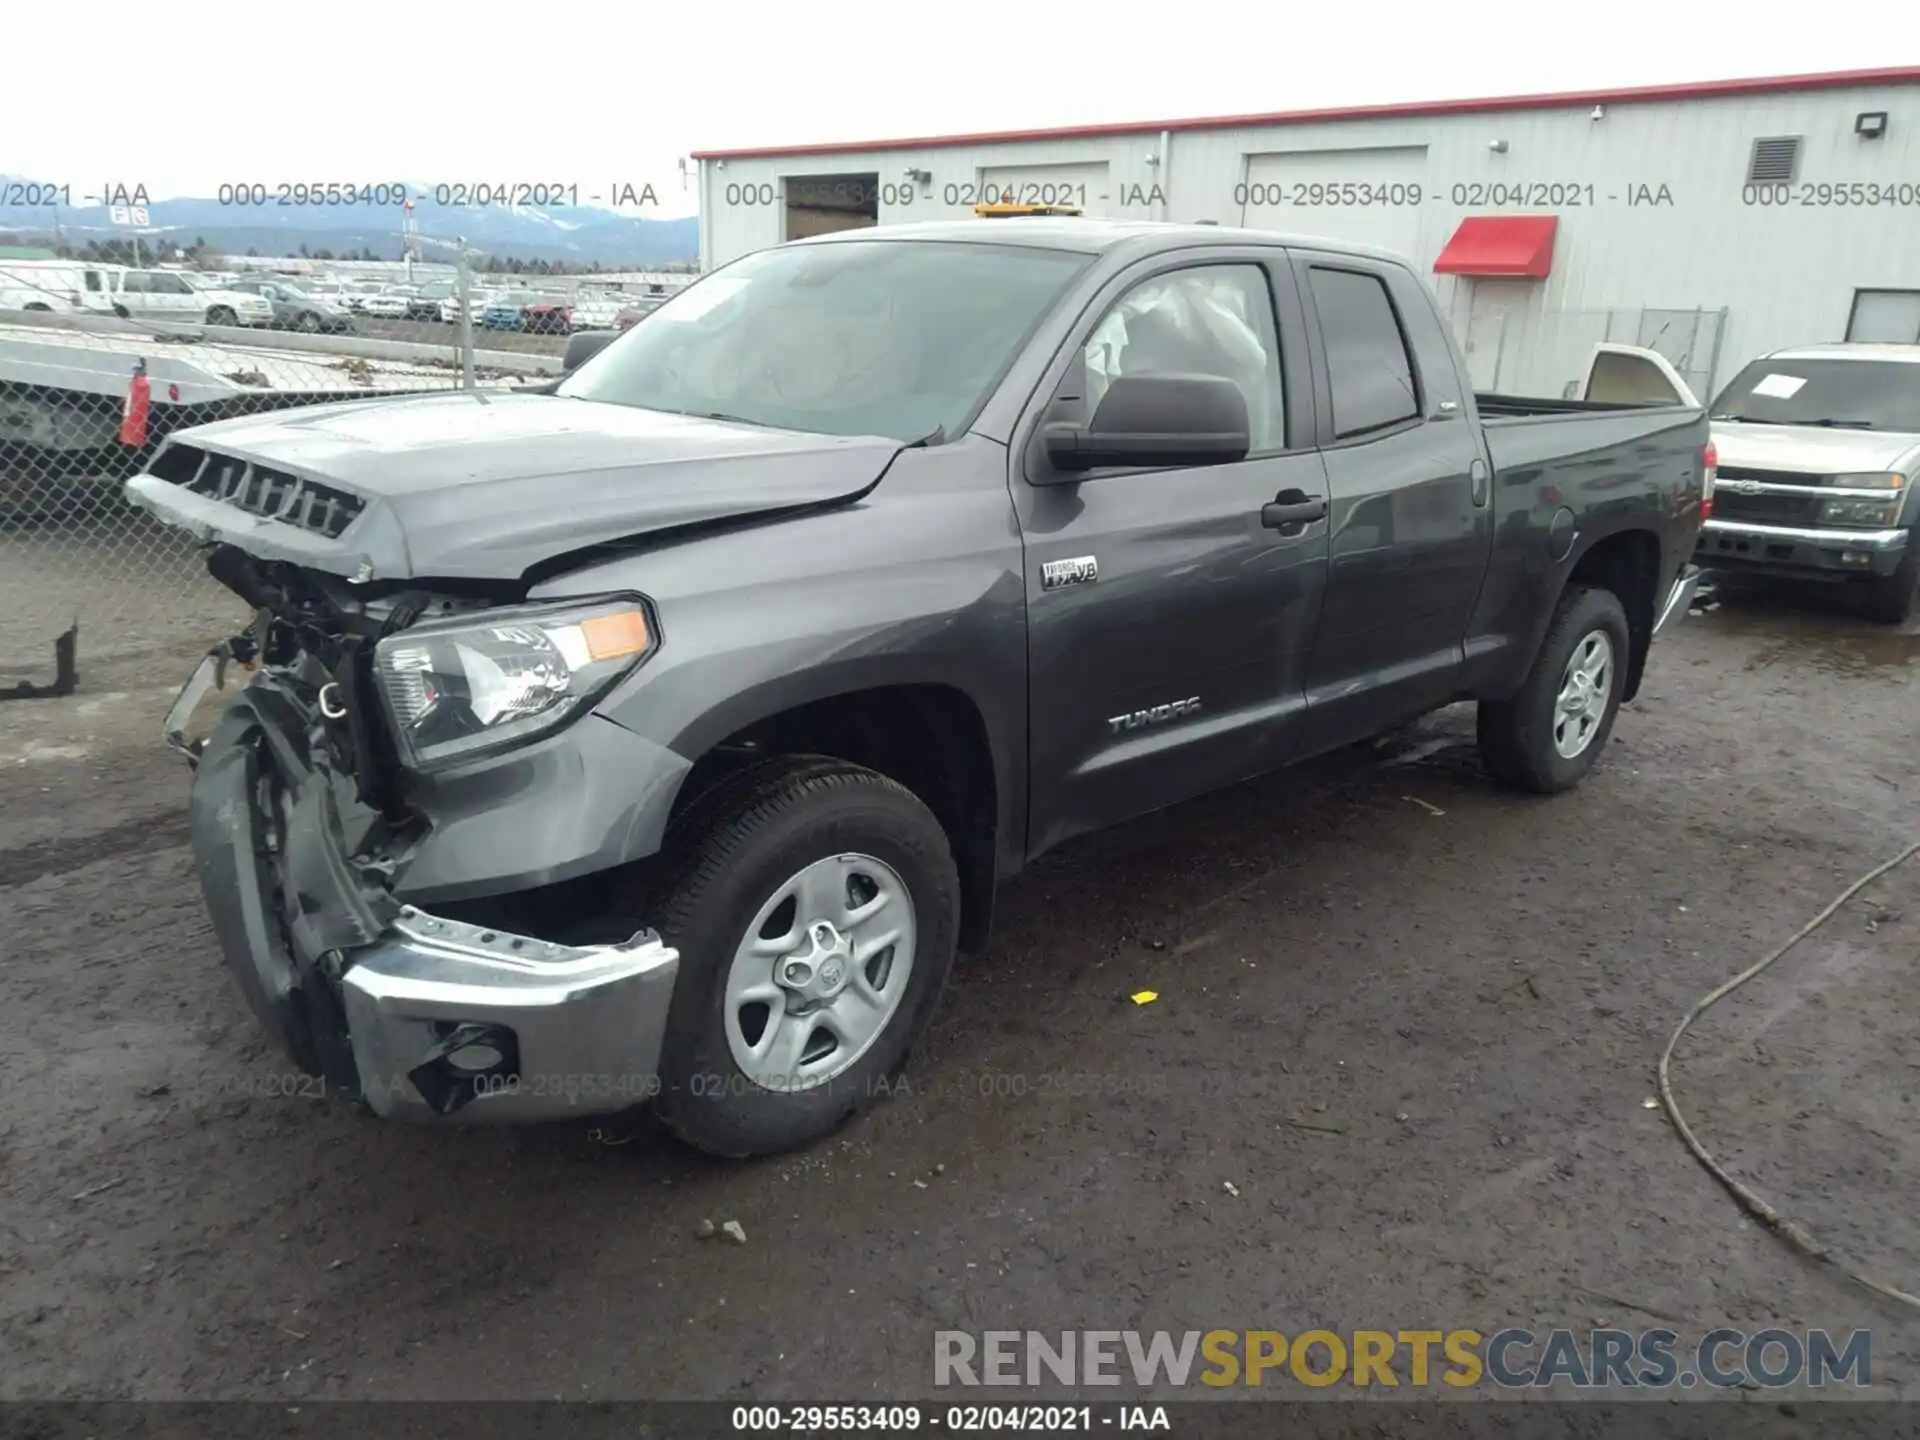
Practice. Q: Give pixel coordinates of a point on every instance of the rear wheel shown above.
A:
(815, 906)
(307, 321)
(37, 305)
(1891, 599)
(222, 315)
(1548, 736)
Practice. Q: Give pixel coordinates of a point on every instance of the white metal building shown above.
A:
(1714, 221)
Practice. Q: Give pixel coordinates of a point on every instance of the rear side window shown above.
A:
(1368, 364)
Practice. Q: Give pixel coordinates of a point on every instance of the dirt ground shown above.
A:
(1411, 1019)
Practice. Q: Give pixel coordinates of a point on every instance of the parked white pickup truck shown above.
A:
(1819, 452)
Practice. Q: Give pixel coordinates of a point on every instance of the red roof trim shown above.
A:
(1510, 245)
(1642, 94)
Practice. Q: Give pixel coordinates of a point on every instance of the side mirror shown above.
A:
(1157, 420)
(584, 346)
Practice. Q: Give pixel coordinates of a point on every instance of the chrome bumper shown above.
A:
(530, 1029)
(1679, 599)
(1823, 539)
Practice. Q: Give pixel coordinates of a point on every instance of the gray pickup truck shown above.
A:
(664, 736)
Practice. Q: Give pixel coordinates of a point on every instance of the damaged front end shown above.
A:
(312, 832)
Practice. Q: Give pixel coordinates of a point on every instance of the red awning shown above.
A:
(1500, 245)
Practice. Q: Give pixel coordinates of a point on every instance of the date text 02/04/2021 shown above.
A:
(950, 1419)
(903, 195)
(463, 195)
(1392, 194)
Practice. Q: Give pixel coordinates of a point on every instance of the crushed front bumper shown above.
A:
(419, 1016)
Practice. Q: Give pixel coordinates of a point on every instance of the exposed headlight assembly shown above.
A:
(458, 688)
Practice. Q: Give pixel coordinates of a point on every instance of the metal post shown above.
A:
(467, 381)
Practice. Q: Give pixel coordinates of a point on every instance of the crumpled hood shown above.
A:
(477, 486)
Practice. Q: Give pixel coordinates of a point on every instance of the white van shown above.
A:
(185, 296)
(60, 286)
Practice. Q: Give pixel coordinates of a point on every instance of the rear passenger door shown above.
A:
(1409, 485)
(1169, 609)
(133, 295)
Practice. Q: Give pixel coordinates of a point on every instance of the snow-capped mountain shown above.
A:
(498, 225)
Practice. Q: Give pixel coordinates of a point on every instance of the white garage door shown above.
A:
(1370, 197)
(1084, 187)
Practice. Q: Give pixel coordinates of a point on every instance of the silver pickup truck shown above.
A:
(1819, 447)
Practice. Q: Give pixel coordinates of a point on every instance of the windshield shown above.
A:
(1842, 394)
(863, 337)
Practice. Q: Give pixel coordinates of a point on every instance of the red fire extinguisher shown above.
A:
(133, 420)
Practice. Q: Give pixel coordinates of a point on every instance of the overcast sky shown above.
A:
(186, 98)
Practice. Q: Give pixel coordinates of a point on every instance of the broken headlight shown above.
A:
(455, 689)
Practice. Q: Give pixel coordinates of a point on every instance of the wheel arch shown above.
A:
(1627, 562)
(930, 735)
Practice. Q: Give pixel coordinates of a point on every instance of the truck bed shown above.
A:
(1495, 407)
(1575, 436)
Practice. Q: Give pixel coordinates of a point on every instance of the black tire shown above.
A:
(1891, 599)
(39, 307)
(1517, 736)
(221, 315)
(731, 851)
(307, 322)
(122, 312)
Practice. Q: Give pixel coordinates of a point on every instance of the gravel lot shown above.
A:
(1410, 1018)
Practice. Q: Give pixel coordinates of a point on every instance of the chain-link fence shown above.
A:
(85, 402)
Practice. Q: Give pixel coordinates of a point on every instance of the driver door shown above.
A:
(1169, 618)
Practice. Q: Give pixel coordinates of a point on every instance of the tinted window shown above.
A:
(1838, 394)
(1368, 364)
(899, 338)
(1211, 320)
(133, 283)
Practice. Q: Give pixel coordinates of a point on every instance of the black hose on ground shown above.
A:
(1756, 1205)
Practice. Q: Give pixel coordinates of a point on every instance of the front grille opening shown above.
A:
(176, 464)
(273, 494)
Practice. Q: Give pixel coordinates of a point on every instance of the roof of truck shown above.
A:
(1087, 235)
(1852, 350)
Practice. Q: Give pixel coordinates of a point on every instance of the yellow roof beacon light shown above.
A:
(1000, 211)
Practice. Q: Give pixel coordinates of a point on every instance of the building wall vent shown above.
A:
(1776, 160)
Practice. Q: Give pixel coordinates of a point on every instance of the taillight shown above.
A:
(1710, 468)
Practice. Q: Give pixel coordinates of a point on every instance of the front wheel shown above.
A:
(815, 906)
(1548, 736)
(1891, 599)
